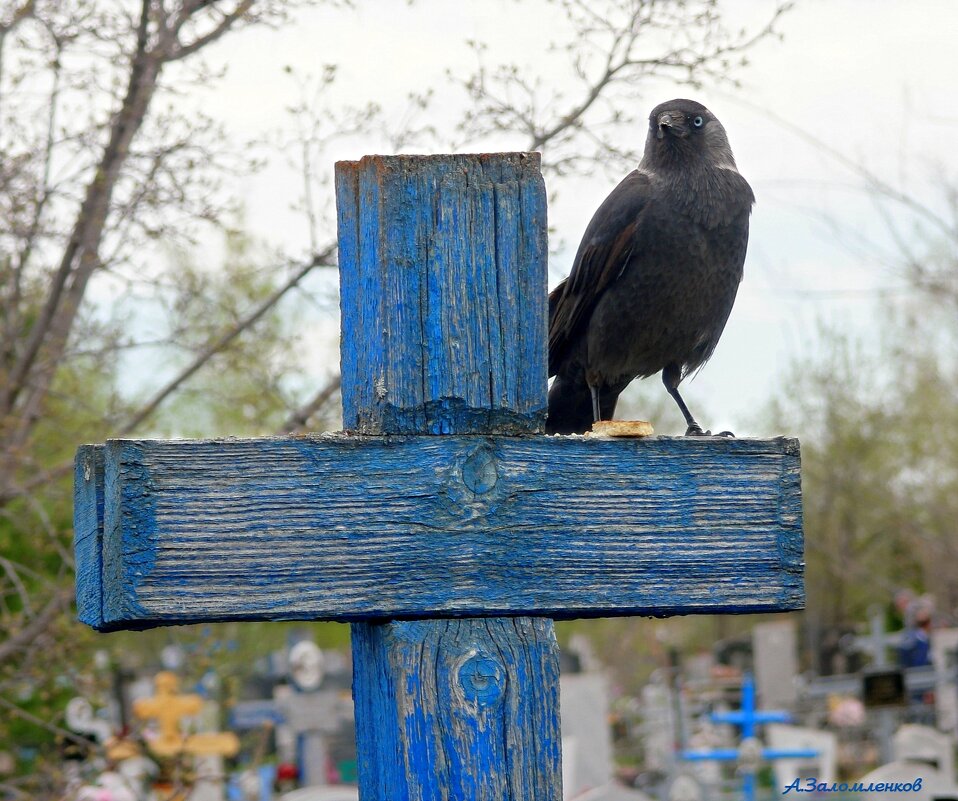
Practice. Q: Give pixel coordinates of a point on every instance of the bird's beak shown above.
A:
(674, 122)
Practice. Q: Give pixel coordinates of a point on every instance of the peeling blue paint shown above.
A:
(129, 531)
(88, 533)
(461, 292)
(342, 527)
(443, 294)
(444, 270)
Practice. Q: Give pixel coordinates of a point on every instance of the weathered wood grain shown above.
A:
(443, 287)
(88, 540)
(470, 704)
(443, 276)
(343, 527)
(443, 293)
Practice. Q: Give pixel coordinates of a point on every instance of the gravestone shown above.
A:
(775, 655)
(80, 718)
(944, 656)
(824, 744)
(924, 744)
(899, 773)
(584, 714)
(658, 727)
(171, 710)
(920, 753)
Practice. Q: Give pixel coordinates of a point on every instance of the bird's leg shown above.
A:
(694, 429)
(596, 408)
(671, 376)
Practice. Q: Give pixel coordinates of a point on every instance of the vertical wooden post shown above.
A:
(443, 294)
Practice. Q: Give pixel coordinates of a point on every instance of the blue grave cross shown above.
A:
(750, 752)
(440, 523)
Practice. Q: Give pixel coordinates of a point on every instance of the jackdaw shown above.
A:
(655, 275)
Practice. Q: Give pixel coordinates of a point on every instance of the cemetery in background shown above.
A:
(880, 450)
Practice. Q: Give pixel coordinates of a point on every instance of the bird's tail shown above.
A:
(570, 406)
(570, 402)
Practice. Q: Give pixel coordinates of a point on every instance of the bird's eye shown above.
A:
(698, 122)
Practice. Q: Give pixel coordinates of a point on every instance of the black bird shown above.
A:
(655, 275)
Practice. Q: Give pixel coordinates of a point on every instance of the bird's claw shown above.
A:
(696, 431)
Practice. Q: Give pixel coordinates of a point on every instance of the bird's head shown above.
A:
(684, 131)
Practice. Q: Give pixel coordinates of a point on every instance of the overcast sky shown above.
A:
(874, 78)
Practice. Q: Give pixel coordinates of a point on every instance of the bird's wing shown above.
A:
(602, 256)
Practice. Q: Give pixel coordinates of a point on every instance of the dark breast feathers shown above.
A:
(652, 286)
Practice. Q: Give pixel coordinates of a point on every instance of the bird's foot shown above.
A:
(695, 430)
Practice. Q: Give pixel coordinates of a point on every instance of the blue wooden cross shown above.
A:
(750, 752)
(450, 554)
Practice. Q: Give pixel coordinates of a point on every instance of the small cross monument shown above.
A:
(440, 523)
(169, 708)
(750, 753)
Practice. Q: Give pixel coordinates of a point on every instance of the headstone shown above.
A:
(286, 737)
(570, 761)
(210, 781)
(306, 665)
(686, 788)
(310, 719)
(705, 735)
(775, 653)
(935, 786)
(138, 771)
(783, 737)
(584, 713)
(698, 667)
(81, 719)
(657, 728)
(882, 687)
(926, 745)
(944, 656)
(750, 753)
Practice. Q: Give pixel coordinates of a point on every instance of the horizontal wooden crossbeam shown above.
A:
(341, 527)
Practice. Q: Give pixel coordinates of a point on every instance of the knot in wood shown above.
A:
(472, 489)
(479, 471)
(481, 680)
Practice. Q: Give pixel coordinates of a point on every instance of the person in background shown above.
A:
(915, 647)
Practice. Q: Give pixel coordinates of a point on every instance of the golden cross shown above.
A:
(168, 709)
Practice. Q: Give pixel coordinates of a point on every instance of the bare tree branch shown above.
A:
(14, 578)
(297, 420)
(44, 724)
(220, 343)
(80, 257)
(40, 478)
(12, 316)
(872, 180)
(181, 51)
(612, 56)
(60, 601)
